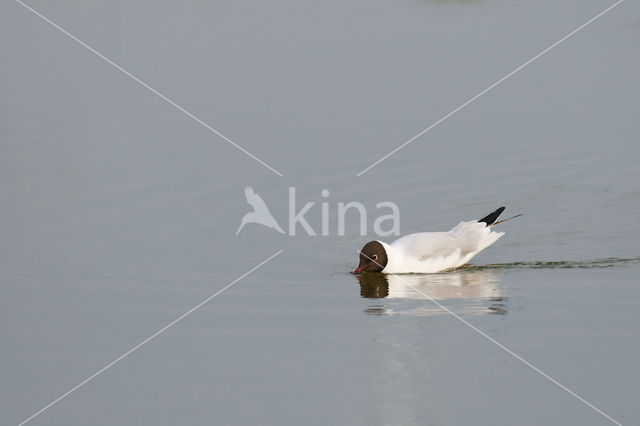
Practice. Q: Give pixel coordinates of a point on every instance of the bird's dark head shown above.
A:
(373, 258)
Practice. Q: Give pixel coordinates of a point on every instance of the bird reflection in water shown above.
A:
(468, 292)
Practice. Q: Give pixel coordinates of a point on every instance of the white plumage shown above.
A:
(427, 252)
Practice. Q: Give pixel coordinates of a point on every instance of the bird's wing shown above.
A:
(468, 237)
(424, 245)
(254, 200)
(492, 217)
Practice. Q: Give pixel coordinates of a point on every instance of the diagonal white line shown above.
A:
(145, 85)
(500, 345)
(491, 87)
(145, 341)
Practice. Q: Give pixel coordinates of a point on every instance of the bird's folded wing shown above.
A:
(467, 237)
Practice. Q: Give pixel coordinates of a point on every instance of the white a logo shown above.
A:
(262, 216)
(260, 213)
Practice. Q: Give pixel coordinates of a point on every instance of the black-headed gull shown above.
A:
(427, 252)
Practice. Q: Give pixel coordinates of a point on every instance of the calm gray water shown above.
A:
(119, 212)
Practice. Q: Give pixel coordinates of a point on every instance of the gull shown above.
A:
(427, 252)
(260, 213)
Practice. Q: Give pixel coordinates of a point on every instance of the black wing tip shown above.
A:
(493, 216)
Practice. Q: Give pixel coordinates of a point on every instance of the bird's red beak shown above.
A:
(358, 270)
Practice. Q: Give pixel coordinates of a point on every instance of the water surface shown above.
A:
(119, 212)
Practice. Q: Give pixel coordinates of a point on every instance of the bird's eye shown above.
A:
(374, 257)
